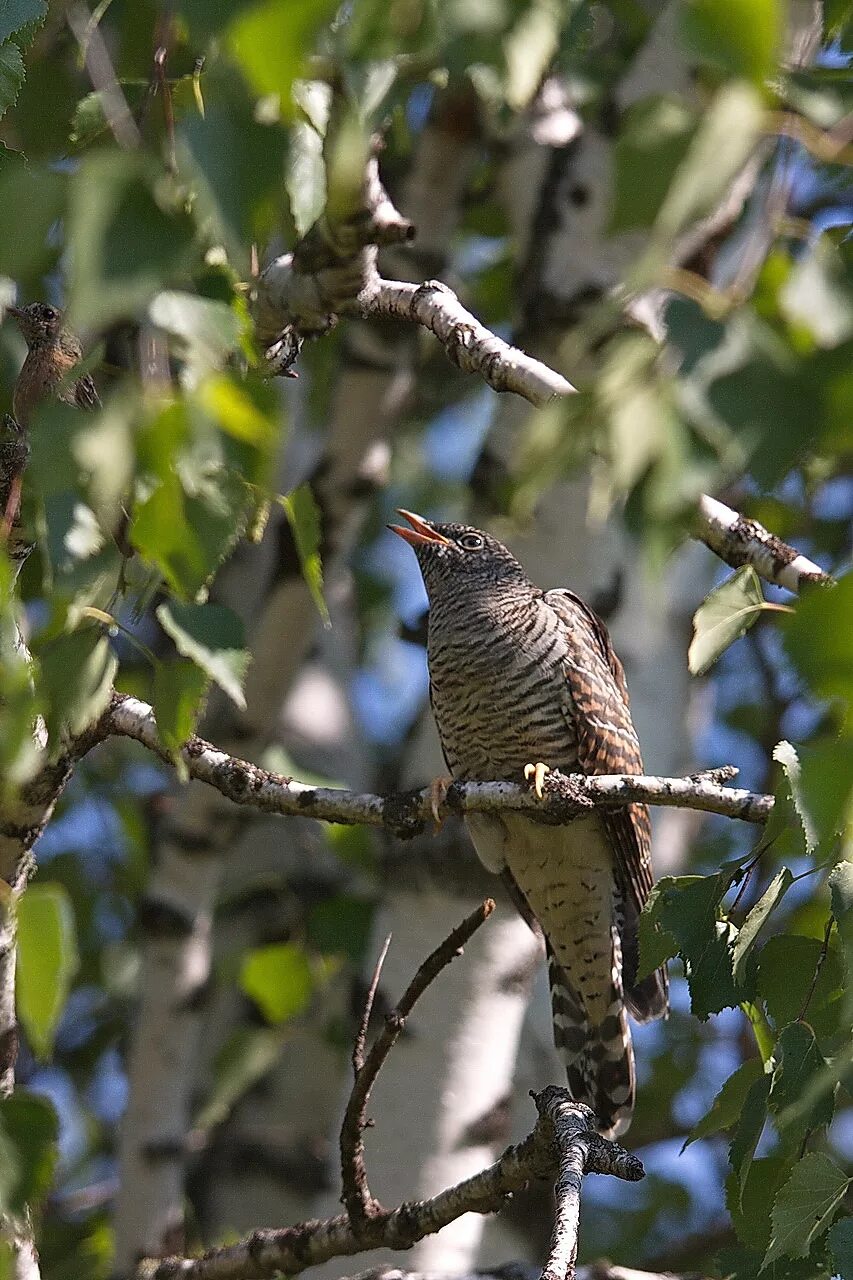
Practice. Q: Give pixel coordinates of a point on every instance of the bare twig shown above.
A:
(562, 1124)
(360, 1204)
(407, 814)
(361, 1038)
(738, 540)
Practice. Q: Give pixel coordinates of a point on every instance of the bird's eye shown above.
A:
(471, 542)
(49, 313)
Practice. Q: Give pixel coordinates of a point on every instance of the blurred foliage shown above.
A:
(149, 241)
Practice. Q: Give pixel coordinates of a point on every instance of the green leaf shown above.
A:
(179, 691)
(279, 980)
(246, 1057)
(651, 145)
(209, 330)
(818, 638)
(728, 1104)
(34, 198)
(724, 141)
(15, 14)
(269, 41)
(212, 637)
(755, 921)
(751, 1208)
(817, 295)
(804, 1205)
(47, 962)
(786, 970)
(30, 1123)
(724, 616)
(743, 37)
(128, 238)
(799, 1063)
(303, 515)
(841, 1244)
(685, 910)
(306, 176)
(750, 1127)
(341, 925)
(11, 74)
(76, 672)
(841, 897)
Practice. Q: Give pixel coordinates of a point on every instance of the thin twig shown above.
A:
(361, 1038)
(360, 1205)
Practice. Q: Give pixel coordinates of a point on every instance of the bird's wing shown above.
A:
(86, 393)
(606, 739)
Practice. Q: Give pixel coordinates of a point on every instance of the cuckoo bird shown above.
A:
(522, 680)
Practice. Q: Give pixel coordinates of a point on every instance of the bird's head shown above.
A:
(39, 322)
(453, 555)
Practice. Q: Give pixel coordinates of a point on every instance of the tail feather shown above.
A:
(599, 1058)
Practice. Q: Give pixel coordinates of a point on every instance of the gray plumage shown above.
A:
(520, 675)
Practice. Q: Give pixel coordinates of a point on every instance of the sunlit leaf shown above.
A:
(77, 671)
(741, 36)
(279, 980)
(724, 616)
(756, 920)
(47, 962)
(179, 690)
(303, 515)
(212, 637)
(651, 145)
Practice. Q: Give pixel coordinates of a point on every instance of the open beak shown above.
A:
(420, 532)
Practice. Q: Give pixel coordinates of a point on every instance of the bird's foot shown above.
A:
(438, 790)
(537, 772)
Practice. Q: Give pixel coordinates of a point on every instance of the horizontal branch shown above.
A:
(468, 343)
(738, 540)
(565, 796)
(563, 1134)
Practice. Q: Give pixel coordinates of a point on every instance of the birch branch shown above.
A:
(565, 796)
(738, 540)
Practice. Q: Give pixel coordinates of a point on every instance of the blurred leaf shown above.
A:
(11, 73)
(724, 616)
(179, 691)
(31, 1125)
(15, 14)
(76, 673)
(246, 1057)
(750, 1127)
(756, 919)
(279, 980)
(32, 199)
(786, 969)
(818, 638)
(245, 410)
(818, 295)
(212, 637)
(728, 1104)
(127, 241)
(306, 176)
(209, 331)
(271, 40)
(529, 49)
(651, 145)
(841, 1244)
(743, 37)
(799, 1064)
(724, 141)
(303, 515)
(805, 1204)
(341, 925)
(47, 962)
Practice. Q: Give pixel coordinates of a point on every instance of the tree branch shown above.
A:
(738, 540)
(360, 1204)
(564, 1141)
(565, 796)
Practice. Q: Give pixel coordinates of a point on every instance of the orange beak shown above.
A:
(420, 532)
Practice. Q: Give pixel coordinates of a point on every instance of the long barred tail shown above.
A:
(599, 1058)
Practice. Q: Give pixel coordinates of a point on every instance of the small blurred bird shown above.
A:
(52, 353)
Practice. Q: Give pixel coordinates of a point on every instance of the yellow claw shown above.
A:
(537, 773)
(438, 789)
